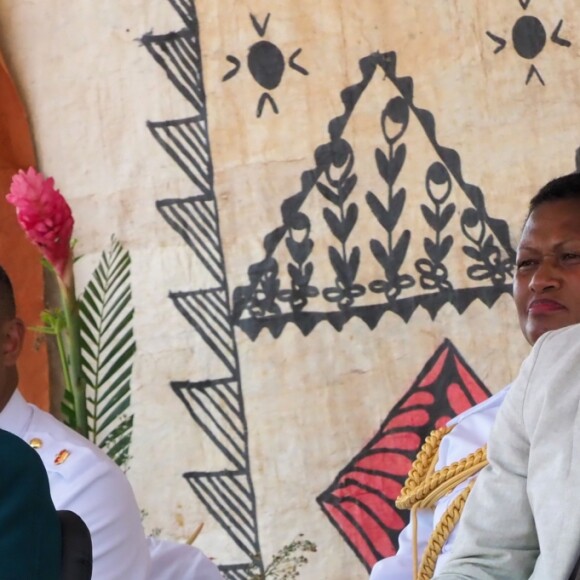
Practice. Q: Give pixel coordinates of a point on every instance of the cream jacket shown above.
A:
(522, 519)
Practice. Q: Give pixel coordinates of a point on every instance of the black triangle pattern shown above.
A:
(229, 500)
(179, 56)
(186, 11)
(195, 220)
(215, 405)
(207, 311)
(186, 142)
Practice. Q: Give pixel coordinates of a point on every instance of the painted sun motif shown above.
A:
(529, 38)
(266, 64)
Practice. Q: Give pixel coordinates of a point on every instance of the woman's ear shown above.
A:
(12, 339)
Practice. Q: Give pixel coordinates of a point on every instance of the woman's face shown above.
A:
(547, 277)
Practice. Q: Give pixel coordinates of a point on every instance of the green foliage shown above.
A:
(286, 563)
(107, 349)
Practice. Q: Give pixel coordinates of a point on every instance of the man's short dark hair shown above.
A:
(7, 302)
(565, 187)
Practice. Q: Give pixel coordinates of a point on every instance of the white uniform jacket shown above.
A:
(84, 480)
(522, 519)
(471, 431)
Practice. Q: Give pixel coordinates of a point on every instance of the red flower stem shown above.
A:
(73, 346)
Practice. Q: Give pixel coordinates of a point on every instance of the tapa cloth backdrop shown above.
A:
(321, 201)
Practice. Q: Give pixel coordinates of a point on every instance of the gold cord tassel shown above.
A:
(441, 534)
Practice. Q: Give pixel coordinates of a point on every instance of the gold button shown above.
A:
(35, 443)
(61, 456)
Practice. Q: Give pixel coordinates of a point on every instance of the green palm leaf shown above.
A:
(107, 351)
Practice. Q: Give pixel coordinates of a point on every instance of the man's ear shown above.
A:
(13, 337)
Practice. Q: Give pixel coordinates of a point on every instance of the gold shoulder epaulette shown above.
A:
(424, 487)
(422, 468)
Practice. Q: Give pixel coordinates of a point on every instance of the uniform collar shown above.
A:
(16, 415)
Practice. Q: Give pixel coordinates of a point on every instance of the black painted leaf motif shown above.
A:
(334, 223)
(473, 253)
(354, 262)
(270, 282)
(380, 254)
(445, 246)
(350, 220)
(295, 274)
(396, 163)
(299, 250)
(346, 188)
(382, 164)
(430, 217)
(300, 278)
(380, 287)
(446, 215)
(328, 193)
(431, 249)
(295, 297)
(340, 267)
(397, 204)
(400, 249)
(379, 211)
(494, 256)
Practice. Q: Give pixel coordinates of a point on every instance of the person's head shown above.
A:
(11, 337)
(547, 276)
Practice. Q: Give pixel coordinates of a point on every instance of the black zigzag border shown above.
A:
(216, 405)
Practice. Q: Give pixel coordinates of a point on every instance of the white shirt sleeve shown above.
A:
(174, 561)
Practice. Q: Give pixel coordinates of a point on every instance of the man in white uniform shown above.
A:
(472, 428)
(84, 480)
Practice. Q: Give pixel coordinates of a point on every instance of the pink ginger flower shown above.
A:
(44, 215)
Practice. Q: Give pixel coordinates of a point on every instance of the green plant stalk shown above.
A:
(63, 359)
(72, 344)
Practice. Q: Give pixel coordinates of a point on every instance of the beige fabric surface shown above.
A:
(310, 403)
